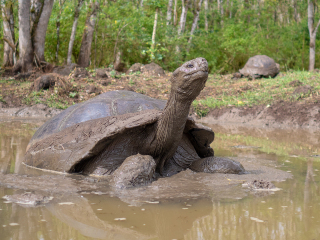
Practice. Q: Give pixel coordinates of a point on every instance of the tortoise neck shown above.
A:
(170, 126)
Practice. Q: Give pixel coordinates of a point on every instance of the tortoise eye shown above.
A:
(190, 66)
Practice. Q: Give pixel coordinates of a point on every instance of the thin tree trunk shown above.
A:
(141, 4)
(169, 12)
(117, 65)
(182, 23)
(73, 31)
(102, 50)
(25, 62)
(175, 17)
(85, 49)
(8, 33)
(313, 35)
(95, 43)
(61, 3)
(40, 33)
(154, 29)
(221, 10)
(183, 18)
(205, 13)
(195, 20)
(58, 37)
(117, 53)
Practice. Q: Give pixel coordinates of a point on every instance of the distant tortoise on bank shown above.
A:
(259, 66)
(99, 146)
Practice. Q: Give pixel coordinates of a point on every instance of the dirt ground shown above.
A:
(19, 97)
(279, 115)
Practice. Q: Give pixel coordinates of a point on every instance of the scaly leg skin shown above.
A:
(217, 165)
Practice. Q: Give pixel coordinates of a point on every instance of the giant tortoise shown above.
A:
(73, 143)
(260, 66)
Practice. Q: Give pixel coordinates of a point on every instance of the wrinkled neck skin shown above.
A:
(170, 126)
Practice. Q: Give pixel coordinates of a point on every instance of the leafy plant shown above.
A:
(73, 94)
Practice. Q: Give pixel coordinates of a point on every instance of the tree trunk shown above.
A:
(36, 8)
(205, 15)
(141, 4)
(195, 21)
(175, 13)
(117, 65)
(8, 33)
(61, 3)
(169, 12)
(25, 62)
(85, 49)
(221, 10)
(313, 35)
(73, 31)
(95, 43)
(32, 33)
(295, 10)
(39, 37)
(153, 40)
(182, 23)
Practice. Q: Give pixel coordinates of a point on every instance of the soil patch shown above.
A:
(279, 115)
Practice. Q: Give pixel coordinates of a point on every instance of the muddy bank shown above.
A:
(284, 115)
(184, 185)
(280, 115)
(35, 111)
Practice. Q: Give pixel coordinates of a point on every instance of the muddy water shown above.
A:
(229, 213)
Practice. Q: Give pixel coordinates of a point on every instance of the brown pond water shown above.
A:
(228, 212)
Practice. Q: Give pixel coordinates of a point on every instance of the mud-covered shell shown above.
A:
(111, 103)
(73, 148)
(260, 66)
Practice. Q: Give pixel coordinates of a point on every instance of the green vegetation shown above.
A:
(228, 33)
(225, 91)
(72, 94)
(54, 100)
(1, 99)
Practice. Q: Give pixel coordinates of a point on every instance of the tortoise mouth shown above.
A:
(201, 74)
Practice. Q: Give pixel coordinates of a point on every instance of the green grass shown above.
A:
(229, 92)
(52, 101)
(2, 100)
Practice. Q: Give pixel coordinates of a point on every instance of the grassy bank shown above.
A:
(223, 91)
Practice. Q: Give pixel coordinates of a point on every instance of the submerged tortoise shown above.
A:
(100, 146)
(260, 66)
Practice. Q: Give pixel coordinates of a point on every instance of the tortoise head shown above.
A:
(189, 79)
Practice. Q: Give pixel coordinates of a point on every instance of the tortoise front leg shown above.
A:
(217, 165)
(136, 170)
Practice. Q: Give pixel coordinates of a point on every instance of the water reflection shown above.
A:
(289, 214)
(14, 137)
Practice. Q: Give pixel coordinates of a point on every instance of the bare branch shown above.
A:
(11, 44)
(316, 28)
